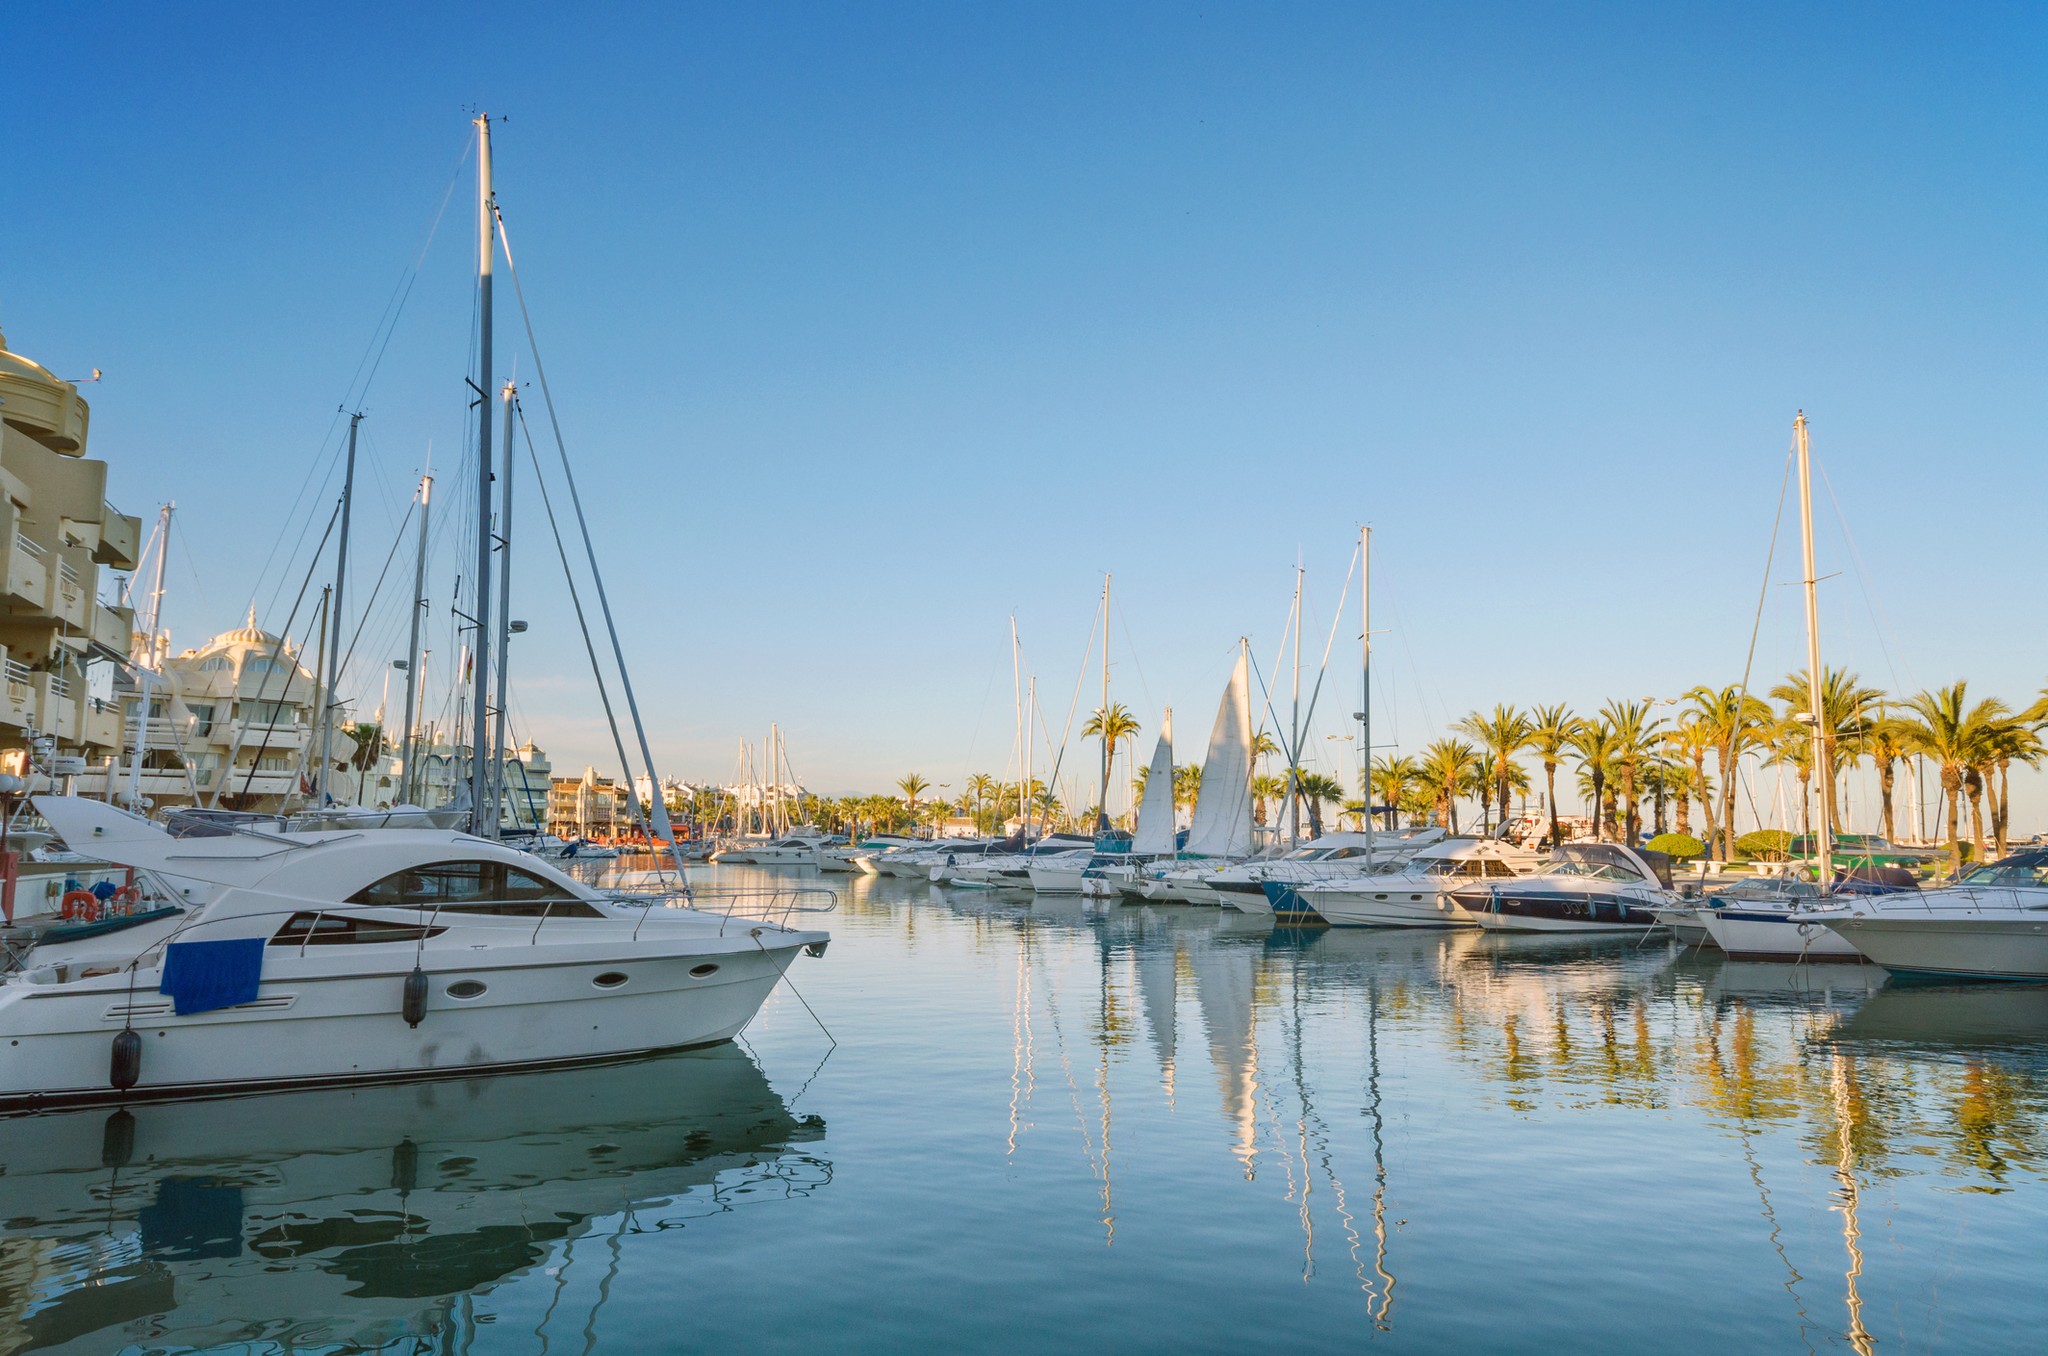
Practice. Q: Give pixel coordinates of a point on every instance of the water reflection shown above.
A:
(356, 1219)
(1821, 1084)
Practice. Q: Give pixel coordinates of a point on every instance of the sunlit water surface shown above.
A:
(1056, 1125)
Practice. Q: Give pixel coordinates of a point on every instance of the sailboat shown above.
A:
(1098, 870)
(1221, 832)
(1154, 838)
(1759, 920)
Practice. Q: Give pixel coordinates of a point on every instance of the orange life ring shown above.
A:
(83, 905)
(126, 898)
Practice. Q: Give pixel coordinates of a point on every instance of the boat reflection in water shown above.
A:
(358, 1218)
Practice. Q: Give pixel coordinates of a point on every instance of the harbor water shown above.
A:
(1053, 1124)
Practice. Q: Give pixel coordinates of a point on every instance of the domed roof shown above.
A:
(246, 636)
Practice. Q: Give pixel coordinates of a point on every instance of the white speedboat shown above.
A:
(794, 849)
(1334, 856)
(1417, 894)
(328, 959)
(1993, 924)
(1585, 887)
(1001, 869)
(1770, 920)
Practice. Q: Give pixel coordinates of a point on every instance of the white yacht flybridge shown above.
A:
(316, 959)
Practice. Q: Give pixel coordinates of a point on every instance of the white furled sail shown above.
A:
(1155, 812)
(1223, 806)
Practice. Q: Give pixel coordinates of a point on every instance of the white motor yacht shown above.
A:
(1585, 887)
(797, 848)
(1415, 894)
(1769, 919)
(1334, 856)
(1993, 924)
(327, 959)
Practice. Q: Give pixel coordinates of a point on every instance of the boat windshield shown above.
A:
(2022, 868)
(1588, 869)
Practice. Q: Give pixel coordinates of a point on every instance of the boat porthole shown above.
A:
(610, 979)
(1379, 896)
(704, 971)
(466, 988)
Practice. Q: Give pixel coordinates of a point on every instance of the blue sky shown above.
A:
(871, 326)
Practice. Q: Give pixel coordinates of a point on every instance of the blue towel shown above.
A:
(203, 976)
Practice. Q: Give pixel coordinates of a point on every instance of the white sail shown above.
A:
(1155, 812)
(1223, 806)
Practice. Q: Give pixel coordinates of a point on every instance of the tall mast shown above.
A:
(1815, 678)
(409, 785)
(334, 617)
(319, 667)
(480, 687)
(496, 762)
(148, 660)
(1294, 750)
(1102, 808)
(1365, 681)
(1022, 731)
(1024, 790)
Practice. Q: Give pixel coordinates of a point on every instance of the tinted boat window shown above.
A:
(329, 929)
(475, 887)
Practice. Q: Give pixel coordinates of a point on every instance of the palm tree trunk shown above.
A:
(1550, 796)
(1724, 758)
(1951, 789)
(1599, 807)
(1884, 795)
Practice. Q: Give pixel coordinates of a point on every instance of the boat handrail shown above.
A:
(769, 906)
(1935, 901)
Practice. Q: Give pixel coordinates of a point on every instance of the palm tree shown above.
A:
(1391, 778)
(1446, 769)
(1635, 742)
(1845, 714)
(1958, 738)
(1501, 736)
(1187, 785)
(1111, 724)
(1885, 744)
(1593, 742)
(1265, 787)
(1550, 734)
(2018, 741)
(1734, 721)
(1687, 743)
(912, 786)
(1315, 789)
(1789, 743)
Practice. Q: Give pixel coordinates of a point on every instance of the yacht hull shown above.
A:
(1414, 907)
(329, 1021)
(1764, 935)
(1954, 948)
(1556, 911)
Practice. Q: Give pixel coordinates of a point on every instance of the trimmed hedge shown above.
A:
(1765, 845)
(1683, 846)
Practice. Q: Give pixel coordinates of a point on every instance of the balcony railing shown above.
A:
(17, 672)
(27, 547)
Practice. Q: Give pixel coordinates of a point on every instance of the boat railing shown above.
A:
(776, 905)
(765, 906)
(1980, 899)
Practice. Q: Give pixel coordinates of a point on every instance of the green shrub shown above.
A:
(1683, 846)
(1765, 845)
